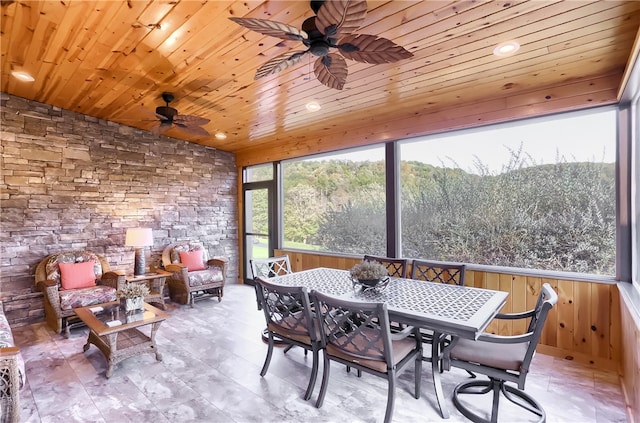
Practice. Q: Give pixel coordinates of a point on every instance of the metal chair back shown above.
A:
(441, 272)
(396, 267)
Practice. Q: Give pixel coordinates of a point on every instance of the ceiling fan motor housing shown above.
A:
(318, 46)
(166, 111)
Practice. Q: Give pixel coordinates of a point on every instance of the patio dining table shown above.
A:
(454, 310)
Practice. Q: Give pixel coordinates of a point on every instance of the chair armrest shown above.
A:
(514, 316)
(221, 262)
(12, 366)
(503, 339)
(175, 267)
(179, 271)
(51, 289)
(115, 279)
(9, 351)
(397, 336)
(47, 284)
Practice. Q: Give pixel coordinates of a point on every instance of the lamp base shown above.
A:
(140, 266)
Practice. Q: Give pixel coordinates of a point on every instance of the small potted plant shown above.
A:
(369, 274)
(132, 295)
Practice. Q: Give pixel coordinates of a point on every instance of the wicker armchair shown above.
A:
(60, 302)
(205, 280)
(12, 374)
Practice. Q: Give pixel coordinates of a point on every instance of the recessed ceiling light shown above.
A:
(506, 49)
(220, 136)
(23, 76)
(313, 106)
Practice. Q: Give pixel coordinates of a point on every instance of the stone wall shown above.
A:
(70, 181)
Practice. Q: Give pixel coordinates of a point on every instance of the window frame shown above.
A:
(626, 227)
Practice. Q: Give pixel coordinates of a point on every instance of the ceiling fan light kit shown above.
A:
(333, 27)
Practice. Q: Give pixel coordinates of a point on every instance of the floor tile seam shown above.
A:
(198, 396)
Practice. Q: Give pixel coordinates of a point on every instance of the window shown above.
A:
(336, 202)
(536, 194)
(258, 173)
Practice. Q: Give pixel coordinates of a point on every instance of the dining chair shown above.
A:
(440, 272)
(397, 267)
(270, 267)
(357, 334)
(287, 311)
(437, 271)
(503, 359)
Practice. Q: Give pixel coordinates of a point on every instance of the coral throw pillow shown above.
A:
(77, 275)
(193, 260)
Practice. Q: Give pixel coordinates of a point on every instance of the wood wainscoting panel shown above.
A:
(582, 318)
(584, 326)
(630, 358)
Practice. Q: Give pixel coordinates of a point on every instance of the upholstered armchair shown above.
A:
(193, 275)
(72, 279)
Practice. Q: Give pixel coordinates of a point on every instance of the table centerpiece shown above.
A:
(369, 275)
(131, 296)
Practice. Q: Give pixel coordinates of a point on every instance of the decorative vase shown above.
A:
(373, 284)
(132, 304)
(370, 283)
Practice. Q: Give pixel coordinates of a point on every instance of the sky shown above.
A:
(585, 136)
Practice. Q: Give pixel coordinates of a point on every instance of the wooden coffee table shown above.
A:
(116, 332)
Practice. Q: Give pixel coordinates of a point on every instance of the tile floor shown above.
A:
(212, 356)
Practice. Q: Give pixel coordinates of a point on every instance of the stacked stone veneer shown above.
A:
(70, 181)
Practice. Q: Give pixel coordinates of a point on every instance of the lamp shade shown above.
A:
(139, 237)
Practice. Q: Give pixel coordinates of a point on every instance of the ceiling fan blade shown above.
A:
(272, 28)
(331, 70)
(190, 120)
(160, 128)
(338, 18)
(193, 130)
(279, 63)
(371, 49)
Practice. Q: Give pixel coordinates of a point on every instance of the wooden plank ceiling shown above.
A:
(113, 59)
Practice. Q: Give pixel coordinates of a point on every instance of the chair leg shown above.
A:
(286, 350)
(495, 386)
(314, 373)
(418, 376)
(391, 396)
(267, 359)
(67, 331)
(527, 402)
(496, 402)
(435, 375)
(325, 381)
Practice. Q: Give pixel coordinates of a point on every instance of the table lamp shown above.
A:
(139, 238)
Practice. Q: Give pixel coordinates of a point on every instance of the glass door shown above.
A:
(260, 211)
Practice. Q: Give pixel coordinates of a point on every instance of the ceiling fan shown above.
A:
(168, 117)
(331, 28)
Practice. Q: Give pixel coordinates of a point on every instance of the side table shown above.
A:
(155, 281)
